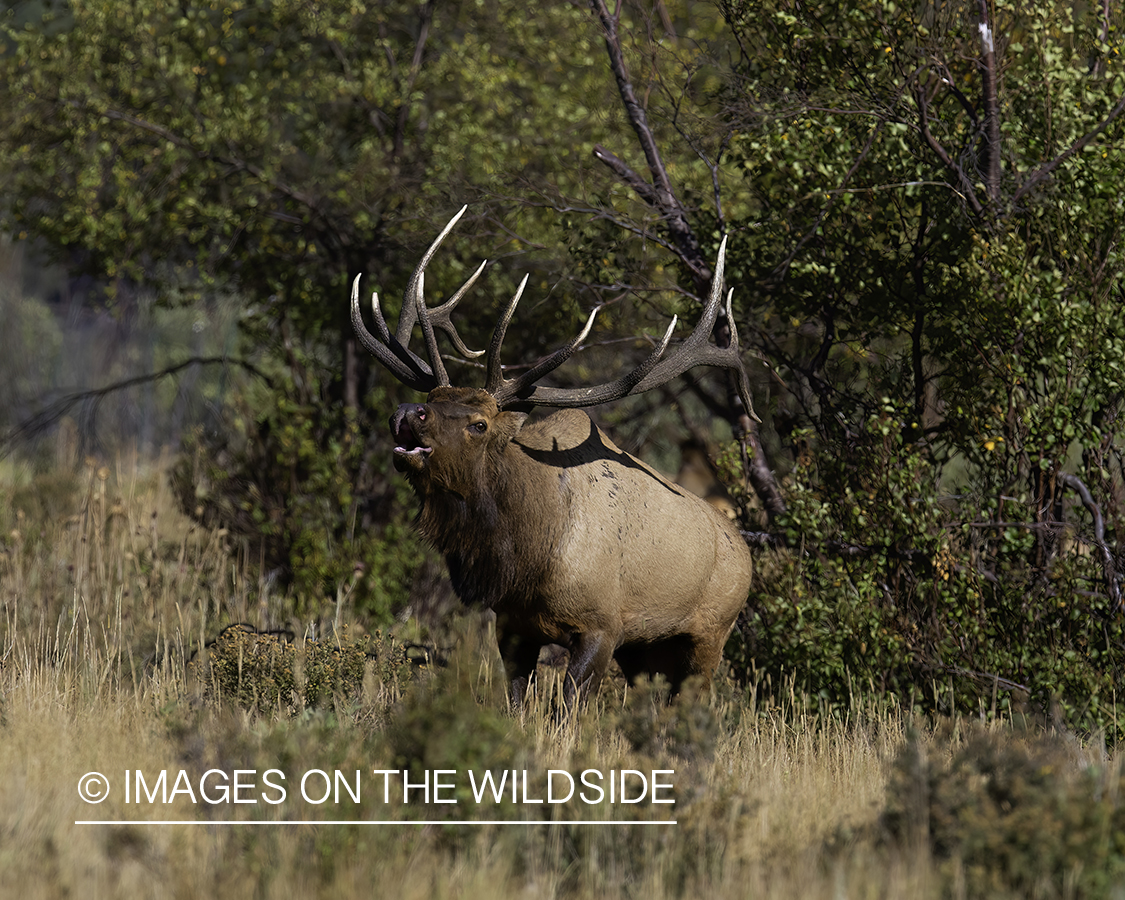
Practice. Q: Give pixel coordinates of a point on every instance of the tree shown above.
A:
(949, 262)
(277, 151)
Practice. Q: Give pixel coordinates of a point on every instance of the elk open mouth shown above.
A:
(413, 451)
(408, 448)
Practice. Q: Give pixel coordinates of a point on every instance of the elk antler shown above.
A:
(393, 352)
(696, 350)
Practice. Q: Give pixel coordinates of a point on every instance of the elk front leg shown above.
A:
(520, 655)
(590, 653)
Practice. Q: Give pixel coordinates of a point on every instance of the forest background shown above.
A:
(925, 219)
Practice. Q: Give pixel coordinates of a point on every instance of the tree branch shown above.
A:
(989, 76)
(1076, 147)
(425, 18)
(621, 170)
(47, 417)
(659, 194)
(1109, 570)
(940, 151)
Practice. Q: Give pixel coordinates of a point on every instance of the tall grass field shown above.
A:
(168, 729)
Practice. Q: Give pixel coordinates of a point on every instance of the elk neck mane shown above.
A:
(498, 538)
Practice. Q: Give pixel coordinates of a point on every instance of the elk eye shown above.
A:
(478, 427)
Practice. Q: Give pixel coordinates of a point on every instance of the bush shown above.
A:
(269, 671)
(1016, 815)
(884, 589)
(307, 488)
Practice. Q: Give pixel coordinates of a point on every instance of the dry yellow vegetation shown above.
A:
(110, 600)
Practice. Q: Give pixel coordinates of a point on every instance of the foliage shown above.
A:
(1013, 815)
(252, 670)
(320, 511)
(950, 384)
(881, 258)
(449, 721)
(336, 666)
(273, 151)
(267, 671)
(883, 593)
(657, 725)
(271, 145)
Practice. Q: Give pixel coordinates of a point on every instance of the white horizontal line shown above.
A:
(368, 822)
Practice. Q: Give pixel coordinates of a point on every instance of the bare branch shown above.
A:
(991, 105)
(940, 152)
(1112, 583)
(1000, 681)
(626, 174)
(48, 416)
(659, 194)
(425, 18)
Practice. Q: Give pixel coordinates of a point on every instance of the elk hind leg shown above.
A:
(590, 653)
(677, 658)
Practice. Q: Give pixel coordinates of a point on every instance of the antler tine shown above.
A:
(441, 316)
(413, 304)
(427, 329)
(513, 388)
(495, 370)
(518, 389)
(398, 360)
(394, 353)
(414, 308)
(516, 386)
(696, 350)
(737, 367)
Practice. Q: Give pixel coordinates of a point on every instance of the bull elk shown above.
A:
(569, 539)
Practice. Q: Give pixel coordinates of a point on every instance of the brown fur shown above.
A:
(570, 540)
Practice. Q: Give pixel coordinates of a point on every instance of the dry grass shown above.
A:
(108, 600)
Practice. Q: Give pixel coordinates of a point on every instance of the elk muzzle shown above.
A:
(407, 426)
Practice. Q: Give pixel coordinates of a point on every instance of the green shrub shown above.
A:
(269, 671)
(660, 727)
(455, 720)
(884, 589)
(1014, 815)
(336, 667)
(295, 475)
(253, 670)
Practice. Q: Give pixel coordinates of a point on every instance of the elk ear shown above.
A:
(507, 425)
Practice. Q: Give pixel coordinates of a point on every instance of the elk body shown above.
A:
(569, 539)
